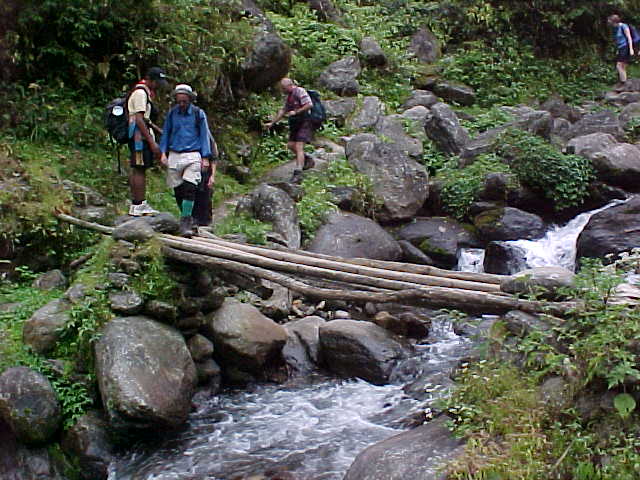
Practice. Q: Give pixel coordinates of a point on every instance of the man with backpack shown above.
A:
(623, 36)
(296, 108)
(187, 148)
(142, 141)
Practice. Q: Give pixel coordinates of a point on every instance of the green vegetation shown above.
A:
(513, 433)
(255, 230)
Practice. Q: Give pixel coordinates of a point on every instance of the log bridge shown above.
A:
(324, 277)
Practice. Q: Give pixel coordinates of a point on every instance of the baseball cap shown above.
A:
(186, 89)
(157, 74)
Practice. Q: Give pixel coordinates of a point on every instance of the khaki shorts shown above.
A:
(183, 167)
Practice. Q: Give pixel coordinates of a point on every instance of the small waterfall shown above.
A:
(471, 260)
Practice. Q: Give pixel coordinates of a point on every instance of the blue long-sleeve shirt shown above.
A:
(180, 133)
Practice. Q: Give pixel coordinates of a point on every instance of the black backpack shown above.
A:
(317, 113)
(116, 118)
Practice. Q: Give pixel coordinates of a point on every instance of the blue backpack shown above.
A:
(318, 113)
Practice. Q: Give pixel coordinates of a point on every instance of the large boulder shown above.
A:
(620, 99)
(504, 258)
(443, 127)
(538, 122)
(351, 236)
(302, 350)
(341, 77)
(509, 223)
(482, 143)
(423, 98)
(360, 349)
(619, 165)
(371, 53)
(602, 234)
(630, 112)
(425, 46)
(392, 129)
(367, 115)
(271, 204)
(401, 182)
(267, 63)
(604, 121)
(243, 337)
(455, 92)
(544, 280)
(50, 280)
(558, 108)
(145, 374)
(419, 454)
(439, 238)
(89, 441)
(133, 230)
(589, 145)
(339, 110)
(29, 405)
(42, 331)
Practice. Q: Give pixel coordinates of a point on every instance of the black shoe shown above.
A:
(309, 162)
(296, 177)
(186, 227)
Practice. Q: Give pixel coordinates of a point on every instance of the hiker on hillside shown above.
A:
(296, 106)
(142, 141)
(624, 44)
(187, 148)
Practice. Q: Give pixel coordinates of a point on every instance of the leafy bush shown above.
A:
(255, 230)
(563, 179)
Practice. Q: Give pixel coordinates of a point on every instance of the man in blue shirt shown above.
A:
(186, 147)
(624, 44)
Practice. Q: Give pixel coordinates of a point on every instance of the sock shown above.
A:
(187, 208)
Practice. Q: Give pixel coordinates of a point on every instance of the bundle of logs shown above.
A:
(325, 277)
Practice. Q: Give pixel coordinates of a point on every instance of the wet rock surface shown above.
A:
(509, 224)
(42, 331)
(90, 442)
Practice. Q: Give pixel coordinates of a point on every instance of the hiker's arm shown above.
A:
(205, 145)
(302, 109)
(164, 140)
(156, 128)
(627, 33)
(212, 178)
(279, 116)
(142, 126)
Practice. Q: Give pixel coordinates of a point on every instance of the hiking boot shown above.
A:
(296, 177)
(309, 162)
(133, 211)
(143, 209)
(186, 227)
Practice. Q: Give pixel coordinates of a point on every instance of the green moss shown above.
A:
(489, 218)
(427, 247)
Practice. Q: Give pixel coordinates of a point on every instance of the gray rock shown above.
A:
(589, 145)
(391, 128)
(302, 350)
(439, 238)
(418, 115)
(482, 143)
(270, 204)
(163, 311)
(621, 99)
(101, 215)
(352, 236)
(360, 349)
(371, 53)
(502, 258)
(340, 77)
(601, 235)
(630, 112)
(29, 405)
(538, 122)
(50, 280)
(406, 324)
(419, 454)
(558, 108)
(163, 222)
(209, 373)
(126, 303)
(455, 92)
(89, 441)
(522, 324)
(134, 230)
(413, 254)
(401, 182)
(604, 121)
(556, 393)
(118, 280)
(509, 223)
(84, 196)
(545, 280)
(326, 10)
(42, 331)
(618, 165)
(278, 305)
(200, 348)
(425, 46)
(76, 293)
(496, 186)
(145, 374)
(244, 337)
(368, 115)
(444, 129)
(339, 110)
(423, 98)
(267, 63)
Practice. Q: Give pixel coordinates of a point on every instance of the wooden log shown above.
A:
(84, 223)
(437, 297)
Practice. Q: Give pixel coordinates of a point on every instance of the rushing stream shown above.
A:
(313, 428)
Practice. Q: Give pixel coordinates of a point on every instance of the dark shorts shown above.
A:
(623, 55)
(301, 131)
(142, 158)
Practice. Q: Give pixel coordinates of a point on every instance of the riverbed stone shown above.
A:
(271, 204)
(145, 374)
(163, 311)
(29, 405)
(89, 441)
(133, 230)
(209, 373)
(352, 348)
(509, 223)
(630, 112)
(42, 331)
(412, 254)
(443, 127)
(126, 302)
(418, 454)
(400, 181)
(351, 236)
(368, 114)
(601, 236)
(244, 337)
(50, 280)
(503, 258)
(341, 77)
(302, 350)
(589, 145)
(544, 280)
(405, 324)
(521, 323)
(618, 165)
(200, 347)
